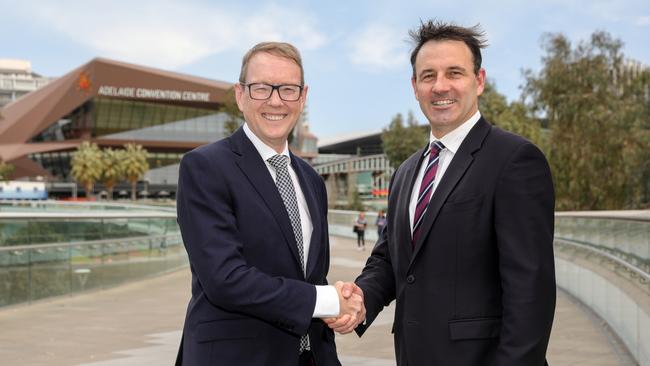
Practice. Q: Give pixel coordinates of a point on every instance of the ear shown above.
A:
(415, 89)
(303, 97)
(480, 81)
(239, 95)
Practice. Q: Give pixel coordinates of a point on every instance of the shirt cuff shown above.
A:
(327, 302)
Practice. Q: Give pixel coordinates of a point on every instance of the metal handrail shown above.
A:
(71, 204)
(86, 215)
(88, 243)
(642, 273)
(630, 215)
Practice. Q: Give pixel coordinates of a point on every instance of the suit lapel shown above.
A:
(314, 213)
(407, 175)
(254, 168)
(455, 171)
(410, 174)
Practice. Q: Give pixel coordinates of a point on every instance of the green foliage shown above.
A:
(355, 203)
(597, 106)
(235, 118)
(87, 166)
(401, 141)
(135, 165)
(513, 117)
(6, 171)
(113, 168)
(90, 164)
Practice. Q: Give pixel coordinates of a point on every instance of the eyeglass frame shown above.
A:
(274, 87)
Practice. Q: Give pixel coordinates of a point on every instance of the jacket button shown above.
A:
(410, 279)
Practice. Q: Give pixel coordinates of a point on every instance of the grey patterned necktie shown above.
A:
(288, 194)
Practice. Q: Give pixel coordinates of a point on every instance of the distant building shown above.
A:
(353, 143)
(111, 103)
(17, 79)
(303, 142)
(354, 163)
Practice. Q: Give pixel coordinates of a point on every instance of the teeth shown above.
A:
(443, 102)
(273, 117)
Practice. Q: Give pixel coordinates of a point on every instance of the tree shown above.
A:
(513, 117)
(6, 171)
(112, 168)
(87, 166)
(354, 202)
(597, 107)
(401, 141)
(135, 165)
(234, 117)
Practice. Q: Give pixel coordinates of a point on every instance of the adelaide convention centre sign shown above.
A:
(144, 93)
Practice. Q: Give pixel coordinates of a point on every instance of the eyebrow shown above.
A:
(451, 68)
(425, 71)
(457, 68)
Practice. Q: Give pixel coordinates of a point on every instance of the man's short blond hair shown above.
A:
(280, 49)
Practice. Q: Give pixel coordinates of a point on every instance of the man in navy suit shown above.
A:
(253, 217)
(468, 249)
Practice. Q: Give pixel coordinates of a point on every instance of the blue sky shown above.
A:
(355, 52)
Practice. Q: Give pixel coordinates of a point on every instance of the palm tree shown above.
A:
(87, 166)
(6, 170)
(135, 164)
(112, 168)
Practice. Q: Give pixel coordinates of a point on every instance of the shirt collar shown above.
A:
(453, 139)
(265, 151)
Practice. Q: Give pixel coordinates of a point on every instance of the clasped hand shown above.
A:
(352, 310)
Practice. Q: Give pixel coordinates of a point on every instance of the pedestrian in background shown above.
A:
(360, 228)
(381, 222)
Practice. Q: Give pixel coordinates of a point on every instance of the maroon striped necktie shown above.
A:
(425, 188)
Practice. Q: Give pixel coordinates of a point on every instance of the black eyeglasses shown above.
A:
(263, 91)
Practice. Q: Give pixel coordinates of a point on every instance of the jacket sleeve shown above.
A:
(210, 234)
(524, 222)
(377, 279)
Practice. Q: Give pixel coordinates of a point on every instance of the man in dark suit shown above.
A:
(253, 217)
(468, 250)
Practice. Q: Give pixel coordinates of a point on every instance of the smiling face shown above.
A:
(445, 84)
(271, 120)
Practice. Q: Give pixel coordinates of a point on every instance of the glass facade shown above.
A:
(131, 120)
(56, 163)
(118, 119)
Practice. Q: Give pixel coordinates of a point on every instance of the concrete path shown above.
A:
(139, 325)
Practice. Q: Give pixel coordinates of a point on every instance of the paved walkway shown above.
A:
(138, 325)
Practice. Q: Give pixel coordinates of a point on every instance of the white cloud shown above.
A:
(282, 24)
(379, 47)
(169, 33)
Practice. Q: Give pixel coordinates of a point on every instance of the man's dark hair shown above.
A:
(434, 30)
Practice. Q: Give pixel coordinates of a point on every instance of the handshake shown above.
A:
(352, 309)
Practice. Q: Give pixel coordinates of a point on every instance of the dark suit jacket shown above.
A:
(479, 287)
(250, 300)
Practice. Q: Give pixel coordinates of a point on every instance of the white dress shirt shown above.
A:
(327, 299)
(452, 142)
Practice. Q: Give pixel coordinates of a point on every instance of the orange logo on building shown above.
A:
(84, 83)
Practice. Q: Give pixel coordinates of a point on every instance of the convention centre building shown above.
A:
(111, 103)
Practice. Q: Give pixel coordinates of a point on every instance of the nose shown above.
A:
(274, 99)
(441, 85)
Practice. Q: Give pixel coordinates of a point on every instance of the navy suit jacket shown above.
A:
(478, 288)
(250, 299)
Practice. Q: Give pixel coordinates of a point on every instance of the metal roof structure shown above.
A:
(31, 114)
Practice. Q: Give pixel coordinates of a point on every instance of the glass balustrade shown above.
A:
(50, 249)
